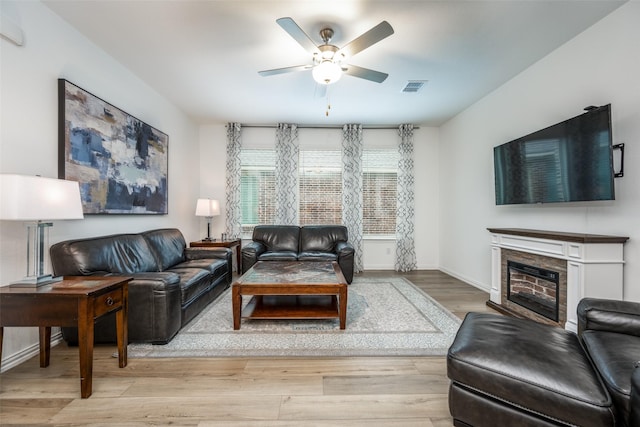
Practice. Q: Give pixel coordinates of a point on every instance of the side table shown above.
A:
(74, 301)
(237, 243)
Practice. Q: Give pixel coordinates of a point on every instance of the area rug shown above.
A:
(385, 317)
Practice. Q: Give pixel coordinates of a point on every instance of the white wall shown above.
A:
(378, 254)
(598, 67)
(28, 133)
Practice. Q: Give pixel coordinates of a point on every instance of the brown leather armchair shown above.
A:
(511, 371)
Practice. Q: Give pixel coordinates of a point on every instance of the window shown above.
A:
(379, 180)
(320, 186)
(257, 188)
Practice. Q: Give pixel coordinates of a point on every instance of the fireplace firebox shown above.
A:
(534, 288)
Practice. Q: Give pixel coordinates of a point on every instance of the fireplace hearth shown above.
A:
(534, 288)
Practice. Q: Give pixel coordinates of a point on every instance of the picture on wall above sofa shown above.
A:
(120, 162)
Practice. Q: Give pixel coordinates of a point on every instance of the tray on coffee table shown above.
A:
(291, 290)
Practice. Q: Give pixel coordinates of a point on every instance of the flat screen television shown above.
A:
(570, 161)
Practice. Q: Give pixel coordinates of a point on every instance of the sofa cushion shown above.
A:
(317, 256)
(615, 356)
(321, 238)
(168, 246)
(537, 368)
(216, 266)
(121, 253)
(278, 237)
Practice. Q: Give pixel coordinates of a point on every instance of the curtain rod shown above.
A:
(323, 127)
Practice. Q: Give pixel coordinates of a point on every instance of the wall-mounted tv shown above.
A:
(568, 162)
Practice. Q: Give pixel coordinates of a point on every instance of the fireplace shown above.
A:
(586, 265)
(534, 288)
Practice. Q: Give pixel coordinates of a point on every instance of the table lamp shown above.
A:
(208, 208)
(37, 201)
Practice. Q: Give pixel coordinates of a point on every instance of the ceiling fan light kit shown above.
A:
(327, 72)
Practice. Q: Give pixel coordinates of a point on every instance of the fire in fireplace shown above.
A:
(534, 288)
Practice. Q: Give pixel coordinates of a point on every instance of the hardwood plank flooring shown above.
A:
(255, 392)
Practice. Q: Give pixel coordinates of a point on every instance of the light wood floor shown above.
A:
(364, 391)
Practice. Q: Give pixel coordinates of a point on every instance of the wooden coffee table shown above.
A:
(291, 290)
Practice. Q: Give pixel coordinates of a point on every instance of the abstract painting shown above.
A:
(120, 162)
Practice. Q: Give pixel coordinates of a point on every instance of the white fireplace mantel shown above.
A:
(594, 262)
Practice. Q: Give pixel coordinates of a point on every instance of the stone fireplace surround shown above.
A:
(541, 261)
(589, 266)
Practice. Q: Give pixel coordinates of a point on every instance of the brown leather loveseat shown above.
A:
(306, 243)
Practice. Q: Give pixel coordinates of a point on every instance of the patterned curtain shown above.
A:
(352, 148)
(233, 224)
(405, 215)
(286, 174)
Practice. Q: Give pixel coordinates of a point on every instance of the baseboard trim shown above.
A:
(27, 353)
(473, 283)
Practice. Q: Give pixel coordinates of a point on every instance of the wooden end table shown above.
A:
(74, 301)
(222, 244)
(291, 290)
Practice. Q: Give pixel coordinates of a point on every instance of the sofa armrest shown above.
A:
(346, 253)
(344, 248)
(250, 254)
(634, 404)
(609, 315)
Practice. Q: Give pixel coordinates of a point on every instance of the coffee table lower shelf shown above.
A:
(292, 307)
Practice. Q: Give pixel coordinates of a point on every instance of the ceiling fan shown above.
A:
(328, 60)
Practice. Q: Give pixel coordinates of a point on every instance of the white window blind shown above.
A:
(257, 193)
(380, 177)
(320, 187)
(320, 181)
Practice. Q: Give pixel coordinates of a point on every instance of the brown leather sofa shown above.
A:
(171, 283)
(506, 371)
(294, 243)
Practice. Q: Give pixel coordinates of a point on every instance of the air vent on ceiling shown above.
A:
(414, 86)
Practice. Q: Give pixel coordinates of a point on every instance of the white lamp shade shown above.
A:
(33, 198)
(207, 207)
(326, 72)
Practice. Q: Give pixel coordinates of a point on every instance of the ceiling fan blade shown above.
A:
(371, 37)
(365, 73)
(284, 70)
(290, 26)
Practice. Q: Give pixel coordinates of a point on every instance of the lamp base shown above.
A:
(208, 239)
(36, 281)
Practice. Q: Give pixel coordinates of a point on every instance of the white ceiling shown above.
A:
(204, 56)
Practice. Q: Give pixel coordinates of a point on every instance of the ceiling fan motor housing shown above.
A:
(327, 53)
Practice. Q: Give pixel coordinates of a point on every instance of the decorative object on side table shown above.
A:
(120, 162)
(208, 208)
(36, 199)
(75, 301)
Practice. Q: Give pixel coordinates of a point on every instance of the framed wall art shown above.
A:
(120, 162)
